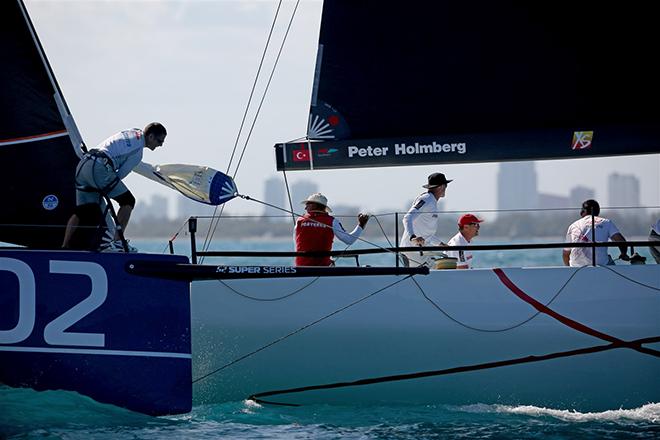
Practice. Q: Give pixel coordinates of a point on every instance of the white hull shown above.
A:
(398, 331)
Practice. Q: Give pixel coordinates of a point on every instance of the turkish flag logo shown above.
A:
(301, 155)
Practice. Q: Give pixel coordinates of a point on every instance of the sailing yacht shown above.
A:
(395, 85)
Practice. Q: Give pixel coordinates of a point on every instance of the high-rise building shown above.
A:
(188, 208)
(299, 192)
(154, 208)
(274, 194)
(579, 194)
(159, 207)
(553, 201)
(622, 190)
(517, 186)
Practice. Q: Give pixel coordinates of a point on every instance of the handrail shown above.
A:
(476, 247)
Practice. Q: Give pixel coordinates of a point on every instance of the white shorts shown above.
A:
(95, 176)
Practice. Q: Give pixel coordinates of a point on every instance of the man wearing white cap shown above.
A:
(316, 229)
(468, 228)
(421, 221)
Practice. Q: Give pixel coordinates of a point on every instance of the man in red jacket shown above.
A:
(316, 229)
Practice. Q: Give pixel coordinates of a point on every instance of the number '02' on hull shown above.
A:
(77, 321)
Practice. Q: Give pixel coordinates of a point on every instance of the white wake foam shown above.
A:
(646, 413)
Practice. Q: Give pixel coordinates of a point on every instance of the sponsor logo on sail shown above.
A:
(325, 152)
(50, 202)
(582, 140)
(401, 149)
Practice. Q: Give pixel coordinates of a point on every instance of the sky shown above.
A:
(191, 65)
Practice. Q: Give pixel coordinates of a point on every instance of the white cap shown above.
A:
(318, 198)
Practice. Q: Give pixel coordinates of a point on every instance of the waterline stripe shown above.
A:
(97, 352)
(39, 137)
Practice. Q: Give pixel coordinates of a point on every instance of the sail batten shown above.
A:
(34, 138)
(512, 80)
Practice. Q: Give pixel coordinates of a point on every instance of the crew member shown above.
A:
(99, 173)
(468, 228)
(316, 229)
(421, 221)
(581, 231)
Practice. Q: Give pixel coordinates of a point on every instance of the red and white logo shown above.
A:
(582, 140)
(301, 155)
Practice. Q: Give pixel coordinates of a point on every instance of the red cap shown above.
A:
(467, 219)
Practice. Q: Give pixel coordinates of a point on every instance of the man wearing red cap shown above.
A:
(468, 228)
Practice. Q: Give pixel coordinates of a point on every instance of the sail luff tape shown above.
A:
(311, 158)
(317, 74)
(69, 124)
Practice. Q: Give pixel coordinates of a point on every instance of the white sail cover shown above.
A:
(200, 183)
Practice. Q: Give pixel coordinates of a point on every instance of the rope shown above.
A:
(504, 329)
(282, 338)
(568, 322)
(269, 299)
(453, 370)
(174, 237)
(630, 279)
(636, 345)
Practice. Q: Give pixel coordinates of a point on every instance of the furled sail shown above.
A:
(37, 138)
(450, 82)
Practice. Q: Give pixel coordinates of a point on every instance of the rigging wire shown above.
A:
(245, 113)
(304, 327)
(270, 78)
(288, 195)
(213, 228)
(504, 329)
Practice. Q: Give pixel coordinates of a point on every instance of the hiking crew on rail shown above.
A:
(316, 229)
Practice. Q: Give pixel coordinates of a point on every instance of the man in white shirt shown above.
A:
(468, 228)
(421, 221)
(100, 172)
(581, 231)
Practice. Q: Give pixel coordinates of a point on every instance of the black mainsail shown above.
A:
(454, 82)
(37, 138)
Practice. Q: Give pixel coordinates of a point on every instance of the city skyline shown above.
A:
(517, 190)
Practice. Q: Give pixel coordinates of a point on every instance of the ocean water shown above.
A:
(28, 414)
